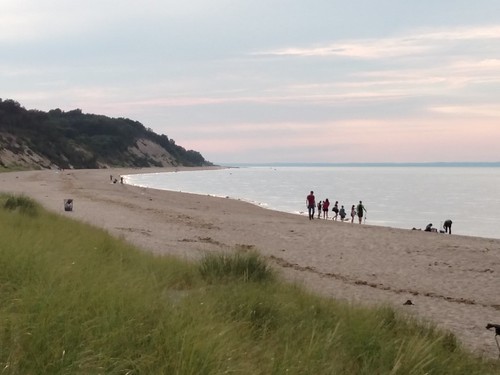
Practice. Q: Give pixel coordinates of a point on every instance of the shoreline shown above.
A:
(452, 280)
(381, 219)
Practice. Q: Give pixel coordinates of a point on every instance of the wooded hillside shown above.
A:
(58, 139)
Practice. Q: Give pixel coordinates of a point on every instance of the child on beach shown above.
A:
(326, 205)
(342, 213)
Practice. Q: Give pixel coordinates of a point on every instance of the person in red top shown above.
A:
(311, 204)
(326, 205)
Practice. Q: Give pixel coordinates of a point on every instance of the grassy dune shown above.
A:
(74, 300)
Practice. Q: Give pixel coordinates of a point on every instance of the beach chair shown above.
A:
(68, 204)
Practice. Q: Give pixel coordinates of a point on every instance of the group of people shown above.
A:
(356, 210)
(446, 227)
(114, 180)
(324, 207)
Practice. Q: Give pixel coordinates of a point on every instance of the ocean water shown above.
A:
(400, 197)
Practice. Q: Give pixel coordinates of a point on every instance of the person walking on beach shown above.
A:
(311, 204)
(353, 213)
(447, 226)
(360, 210)
(320, 205)
(336, 210)
(326, 206)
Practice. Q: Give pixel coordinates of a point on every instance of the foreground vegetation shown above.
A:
(74, 300)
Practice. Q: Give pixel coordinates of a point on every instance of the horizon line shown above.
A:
(365, 164)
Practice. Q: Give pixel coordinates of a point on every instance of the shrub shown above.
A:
(22, 203)
(246, 267)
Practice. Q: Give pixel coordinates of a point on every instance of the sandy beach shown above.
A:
(453, 281)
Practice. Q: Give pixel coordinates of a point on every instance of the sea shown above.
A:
(399, 196)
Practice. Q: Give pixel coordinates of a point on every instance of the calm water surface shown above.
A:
(401, 197)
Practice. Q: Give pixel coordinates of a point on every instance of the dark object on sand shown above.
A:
(68, 204)
(408, 302)
(496, 326)
(497, 333)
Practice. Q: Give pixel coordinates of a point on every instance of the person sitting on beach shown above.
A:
(336, 210)
(68, 205)
(360, 210)
(447, 226)
(342, 213)
(320, 205)
(311, 204)
(326, 206)
(428, 228)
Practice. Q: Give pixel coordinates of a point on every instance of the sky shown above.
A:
(260, 81)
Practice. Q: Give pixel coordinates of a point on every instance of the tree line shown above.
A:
(73, 139)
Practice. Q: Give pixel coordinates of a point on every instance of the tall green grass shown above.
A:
(237, 266)
(74, 300)
(22, 203)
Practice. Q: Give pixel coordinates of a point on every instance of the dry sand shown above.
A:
(453, 281)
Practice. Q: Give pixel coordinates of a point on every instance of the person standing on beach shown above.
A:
(326, 205)
(447, 226)
(336, 210)
(360, 210)
(320, 205)
(311, 204)
(353, 213)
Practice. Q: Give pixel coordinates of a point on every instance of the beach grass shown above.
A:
(15, 168)
(75, 300)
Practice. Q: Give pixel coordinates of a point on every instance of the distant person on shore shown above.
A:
(336, 210)
(353, 213)
(342, 213)
(320, 207)
(447, 226)
(326, 206)
(428, 228)
(311, 204)
(360, 210)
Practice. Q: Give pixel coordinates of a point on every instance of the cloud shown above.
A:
(384, 48)
(340, 88)
(477, 111)
(347, 141)
(363, 49)
(24, 21)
